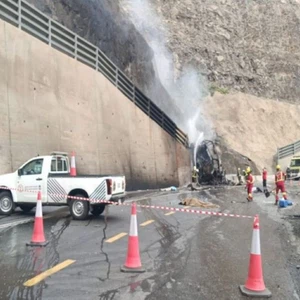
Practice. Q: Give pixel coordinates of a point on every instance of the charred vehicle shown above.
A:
(209, 163)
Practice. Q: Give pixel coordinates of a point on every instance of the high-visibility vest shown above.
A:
(250, 179)
(279, 177)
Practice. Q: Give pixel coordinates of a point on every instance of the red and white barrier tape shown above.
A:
(188, 210)
(199, 212)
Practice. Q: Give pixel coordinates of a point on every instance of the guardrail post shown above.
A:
(117, 75)
(294, 150)
(134, 94)
(97, 58)
(49, 33)
(76, 46)
(19, 14)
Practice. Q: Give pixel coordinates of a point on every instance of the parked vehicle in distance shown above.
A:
(51, 175)
(294, 168)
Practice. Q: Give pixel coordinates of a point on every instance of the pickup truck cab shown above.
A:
(51, 175)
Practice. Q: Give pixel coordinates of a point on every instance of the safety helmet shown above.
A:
(277, 167)
(248, 170)
(195, 168)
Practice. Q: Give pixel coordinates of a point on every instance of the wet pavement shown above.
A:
(186, 256)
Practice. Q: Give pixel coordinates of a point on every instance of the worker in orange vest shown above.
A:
(279, 181)
(249, 185)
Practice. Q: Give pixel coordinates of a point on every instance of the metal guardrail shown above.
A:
(25, 16)
(288, 150)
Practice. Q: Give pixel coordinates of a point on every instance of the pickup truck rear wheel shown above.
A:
(26, 208)
(79, 209)
(98, 210)
(7, 205)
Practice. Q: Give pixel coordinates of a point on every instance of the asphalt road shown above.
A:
(186, 256)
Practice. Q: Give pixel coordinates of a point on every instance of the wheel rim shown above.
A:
(6, 204)
(78, 208)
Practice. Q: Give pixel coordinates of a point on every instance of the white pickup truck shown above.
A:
(51, 175)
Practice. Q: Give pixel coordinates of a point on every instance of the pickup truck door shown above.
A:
(31, 178)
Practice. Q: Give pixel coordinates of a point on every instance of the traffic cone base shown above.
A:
(132, 270)
(43, 244)
(261, 294)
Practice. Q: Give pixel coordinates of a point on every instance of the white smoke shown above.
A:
(186, 89)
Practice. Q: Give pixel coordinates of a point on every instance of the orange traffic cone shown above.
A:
(133, 260)
(38, 237)
(255, 286)
(73, 165)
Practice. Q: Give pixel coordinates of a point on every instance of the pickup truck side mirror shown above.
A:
(19, 172)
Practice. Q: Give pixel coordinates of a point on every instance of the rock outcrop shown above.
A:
(248, 46)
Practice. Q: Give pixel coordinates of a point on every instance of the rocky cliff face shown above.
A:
(250, 46)
(100, 23)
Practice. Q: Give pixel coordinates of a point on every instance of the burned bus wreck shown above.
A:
(209, 163)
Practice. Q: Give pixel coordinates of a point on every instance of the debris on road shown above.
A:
(256, 189)
(285, 203)
(171, 188)
(197, 203)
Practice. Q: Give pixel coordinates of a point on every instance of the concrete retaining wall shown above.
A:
(49, 101)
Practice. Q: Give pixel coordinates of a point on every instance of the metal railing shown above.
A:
(288, 150)
(25, 16)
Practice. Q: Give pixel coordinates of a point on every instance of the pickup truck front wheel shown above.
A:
(79, 209)
(7, 205)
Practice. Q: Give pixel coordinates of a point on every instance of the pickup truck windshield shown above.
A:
(295, 163)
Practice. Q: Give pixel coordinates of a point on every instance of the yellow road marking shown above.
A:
(170, 213)
(116, 237)
(49, 272)
(147, 223)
